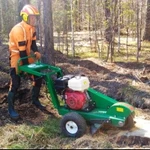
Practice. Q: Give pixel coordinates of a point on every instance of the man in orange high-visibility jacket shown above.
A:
(22, 39)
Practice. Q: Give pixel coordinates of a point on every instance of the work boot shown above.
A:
(35, 96)
(13, 114)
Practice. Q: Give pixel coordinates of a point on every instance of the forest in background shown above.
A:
(76, 26)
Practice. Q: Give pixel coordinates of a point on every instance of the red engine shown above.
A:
(75, 99)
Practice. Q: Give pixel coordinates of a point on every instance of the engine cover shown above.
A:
(75, 99)
(79, 83)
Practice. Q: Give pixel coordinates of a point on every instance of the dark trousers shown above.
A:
(15, 81)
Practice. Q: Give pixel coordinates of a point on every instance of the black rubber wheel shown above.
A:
(129, 123)
(73, 125)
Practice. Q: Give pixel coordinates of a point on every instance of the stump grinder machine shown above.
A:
(79, 104)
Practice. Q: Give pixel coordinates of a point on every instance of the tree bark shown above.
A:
(48, 32)
(147, 26)
(72, 29)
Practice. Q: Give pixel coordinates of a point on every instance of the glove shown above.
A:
(25, 75)
(37, 55)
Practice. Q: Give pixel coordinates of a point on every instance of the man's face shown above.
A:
(33, 20)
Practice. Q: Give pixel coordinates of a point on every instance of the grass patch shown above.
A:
(87, 55)
(17, 146)
(127, 53)
(30, 136)
(51, 127)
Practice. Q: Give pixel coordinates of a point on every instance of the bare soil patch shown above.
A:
(112, 79)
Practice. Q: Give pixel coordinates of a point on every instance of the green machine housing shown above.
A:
(104, 109)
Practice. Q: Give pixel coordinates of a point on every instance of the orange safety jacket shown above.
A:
(20, 39)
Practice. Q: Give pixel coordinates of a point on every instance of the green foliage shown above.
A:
(127, 9)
